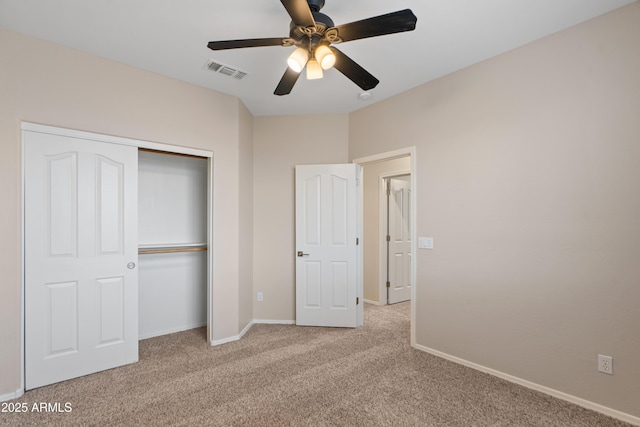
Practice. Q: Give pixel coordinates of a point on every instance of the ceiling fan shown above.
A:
(313, 33)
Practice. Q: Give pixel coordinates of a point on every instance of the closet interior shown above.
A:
(172, 236)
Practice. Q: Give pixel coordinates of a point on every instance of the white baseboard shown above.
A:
(372, 302)
(10, 396)
(232, 338)
(224, 340)
(274, 322)
(246, 329)
(547, 390)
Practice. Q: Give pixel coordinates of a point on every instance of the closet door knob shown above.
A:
(131, 265)
(302, 254)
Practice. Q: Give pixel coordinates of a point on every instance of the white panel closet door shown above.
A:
(399, 239)
(81, 280)
(326, 266)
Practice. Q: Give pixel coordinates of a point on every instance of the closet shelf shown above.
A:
(171, 248)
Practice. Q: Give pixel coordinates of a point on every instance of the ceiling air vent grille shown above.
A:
(239, 75)
(225, 70)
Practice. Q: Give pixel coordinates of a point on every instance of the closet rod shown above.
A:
(170, 153)
(171, 250)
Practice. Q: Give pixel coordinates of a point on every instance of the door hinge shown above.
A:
(357, 300)
(388, 192)
(388, 238)
(357, 241)
(388, 284)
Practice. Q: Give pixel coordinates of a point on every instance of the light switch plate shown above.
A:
(425, 242)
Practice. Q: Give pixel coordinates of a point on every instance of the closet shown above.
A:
(172, 237)
(116, 249)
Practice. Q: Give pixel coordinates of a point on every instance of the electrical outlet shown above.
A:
(605, 364)
(260, 296)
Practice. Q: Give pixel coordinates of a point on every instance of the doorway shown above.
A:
(376, 168)
(375, 227)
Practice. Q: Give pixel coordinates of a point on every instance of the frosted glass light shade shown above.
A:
(298, 59)
(314, 71)
(325, 57)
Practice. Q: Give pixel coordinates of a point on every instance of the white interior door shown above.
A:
(81, 290)
(399, 241)
(328, 290)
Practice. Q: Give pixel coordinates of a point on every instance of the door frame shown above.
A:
(383, 221)
(411, 152)
(169, 149)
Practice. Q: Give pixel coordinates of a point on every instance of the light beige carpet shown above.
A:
(288, 376)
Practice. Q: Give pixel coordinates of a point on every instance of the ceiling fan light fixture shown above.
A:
(325, 57)
(298, 59)
(314, 70)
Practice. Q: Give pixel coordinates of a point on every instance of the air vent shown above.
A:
(213, 66)
(225, 70)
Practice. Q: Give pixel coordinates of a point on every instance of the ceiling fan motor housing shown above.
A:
(311, 36)
(315, 5)
(323, 19)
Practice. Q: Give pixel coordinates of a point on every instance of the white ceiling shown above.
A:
(169, 37)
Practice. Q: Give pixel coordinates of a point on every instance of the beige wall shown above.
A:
(280, 143)
(45, 83)
(529, 181)
(246, 218)
(373, 173)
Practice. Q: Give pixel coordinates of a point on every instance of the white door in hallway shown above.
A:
(399, 240)
(81, 289)
(328, 288)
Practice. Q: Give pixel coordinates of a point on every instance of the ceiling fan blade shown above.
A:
(395, 22)
(353, 71)
(289, 79)
(299, 12)
(236, 44)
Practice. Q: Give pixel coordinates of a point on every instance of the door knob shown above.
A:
(301, 254)
(131, 265)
